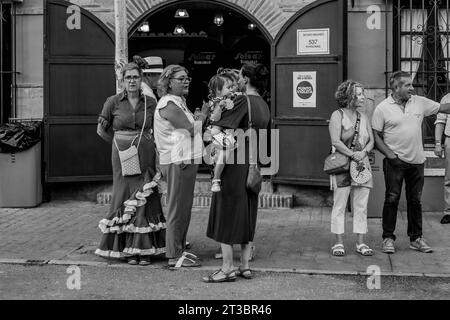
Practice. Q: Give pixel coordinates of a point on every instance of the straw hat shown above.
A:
(155, 64)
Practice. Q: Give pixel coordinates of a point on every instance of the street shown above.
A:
(154, 283)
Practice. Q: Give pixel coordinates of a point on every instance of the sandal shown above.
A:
(244, 273)
(132, 260)
(338, 250)
(185, 261)
(220, 276)
(145, 261)
(364, 249)
(215, 187)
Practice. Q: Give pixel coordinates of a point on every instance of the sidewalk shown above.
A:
(287, 240)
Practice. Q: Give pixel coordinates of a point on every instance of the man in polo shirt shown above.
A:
(397, 126)
(442, 126)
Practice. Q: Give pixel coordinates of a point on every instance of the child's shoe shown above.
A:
(215, 185)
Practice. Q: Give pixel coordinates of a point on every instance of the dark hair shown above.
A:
(131, 66)
(216, 84)
(346, 93)
(396, 78)
(257, 74)
(164, 78)
(140, 62)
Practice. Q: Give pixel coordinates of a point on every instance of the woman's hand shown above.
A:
(359, 155)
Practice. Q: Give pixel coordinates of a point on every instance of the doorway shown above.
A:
(211, 35)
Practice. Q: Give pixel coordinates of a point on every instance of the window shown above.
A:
(422, 36)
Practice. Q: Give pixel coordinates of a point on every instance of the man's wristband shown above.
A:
(437, 142)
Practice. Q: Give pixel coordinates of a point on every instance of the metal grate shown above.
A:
(422, 36)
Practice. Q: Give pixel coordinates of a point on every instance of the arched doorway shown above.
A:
(206, 45)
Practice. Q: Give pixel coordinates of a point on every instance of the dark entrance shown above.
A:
(303, 128)
(206, 44)
(79, 75)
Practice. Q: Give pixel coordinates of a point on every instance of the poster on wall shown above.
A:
(313, 41)
(304, 91)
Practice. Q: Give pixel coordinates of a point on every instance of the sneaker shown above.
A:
(215, 187)
(420, 245)
(388, 245)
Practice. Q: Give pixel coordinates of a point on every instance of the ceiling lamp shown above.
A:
(179, 29)
(218, 19)
(251, 26)
(144, 27)
(181, 13)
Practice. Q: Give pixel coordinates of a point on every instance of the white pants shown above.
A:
(359, 199)
(447, 176)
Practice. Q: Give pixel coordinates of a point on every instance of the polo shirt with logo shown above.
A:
(402, 128)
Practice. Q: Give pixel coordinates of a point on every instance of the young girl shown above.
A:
(221, 98)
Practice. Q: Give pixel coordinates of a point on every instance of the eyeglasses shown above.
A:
(129, 78)
(183, 79)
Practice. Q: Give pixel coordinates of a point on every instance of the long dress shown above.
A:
(233, 212)
(135, 224)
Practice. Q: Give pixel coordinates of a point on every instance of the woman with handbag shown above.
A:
(135, 226)
(351, 136)
(233, 212)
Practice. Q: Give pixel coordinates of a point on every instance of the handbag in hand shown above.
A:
(336, 162)
(129, 158)
(254, 177)
(360, 171)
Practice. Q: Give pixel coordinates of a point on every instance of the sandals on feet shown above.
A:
(244, 273)
(338, 250)
(220, 276)
(132, 260)
(144, 261)
(364, 249)
(187, 260)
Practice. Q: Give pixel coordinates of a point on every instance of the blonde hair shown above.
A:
(166, 75)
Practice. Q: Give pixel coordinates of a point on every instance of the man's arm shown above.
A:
(379, 143)
(444, 108)
(438, 131)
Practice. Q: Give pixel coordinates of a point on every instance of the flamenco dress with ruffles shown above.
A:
(135, 224)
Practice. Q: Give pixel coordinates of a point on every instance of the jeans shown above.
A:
(395, 171)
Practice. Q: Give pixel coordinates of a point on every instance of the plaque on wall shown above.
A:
(313, 41)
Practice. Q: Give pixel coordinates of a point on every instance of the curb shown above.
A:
(213, 268)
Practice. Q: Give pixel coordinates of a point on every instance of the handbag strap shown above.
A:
(250, 127)
(356, 134)
(143, 126)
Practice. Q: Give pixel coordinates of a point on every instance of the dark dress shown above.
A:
(135, 224)
(232, 216)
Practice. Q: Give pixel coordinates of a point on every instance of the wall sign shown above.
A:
(313, 41)
(304, 91)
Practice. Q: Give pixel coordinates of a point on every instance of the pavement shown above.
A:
(294, 240)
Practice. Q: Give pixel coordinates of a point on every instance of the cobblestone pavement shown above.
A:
(296, 239)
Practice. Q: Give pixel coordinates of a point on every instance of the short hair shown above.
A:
(164, 78)
(257, 74)
(131, 66)
(396, 77)
(345, 94)
(216, 84)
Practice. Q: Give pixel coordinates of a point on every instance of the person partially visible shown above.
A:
(397, 124)
(442, 126)
(152, 67)
(180, 146)
(135, 226)
(350, 96)
(233, 212)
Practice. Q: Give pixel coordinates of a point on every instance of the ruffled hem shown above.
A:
(127, 252)
(120, 224)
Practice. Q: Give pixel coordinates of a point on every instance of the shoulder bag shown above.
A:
(254, 177)
(336, 162)
(129, 158)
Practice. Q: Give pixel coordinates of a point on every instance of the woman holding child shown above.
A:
(233, 212)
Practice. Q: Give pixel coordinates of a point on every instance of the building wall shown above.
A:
(30, 59)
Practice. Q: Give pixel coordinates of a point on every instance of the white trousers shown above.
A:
(359, 199)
